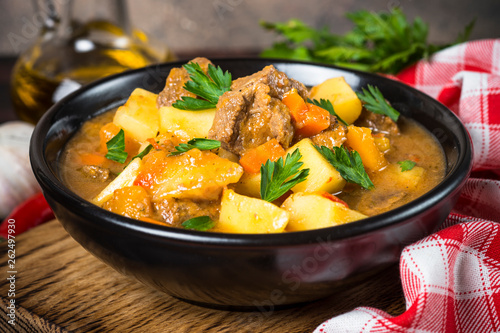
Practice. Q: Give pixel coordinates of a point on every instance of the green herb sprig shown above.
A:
(116, 148)
(280, 176)
(199, 143)
(375, 102)
(348, 164)
(327, 105)
(208, 87)
(200, 223)
(143, 152)
(383, 42)
(406, 165)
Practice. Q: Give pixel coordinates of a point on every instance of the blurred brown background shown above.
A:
(232, 26)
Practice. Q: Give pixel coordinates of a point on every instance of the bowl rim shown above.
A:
(54, 187)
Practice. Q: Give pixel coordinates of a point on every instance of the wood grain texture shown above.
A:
(60, 287)
(26, 321)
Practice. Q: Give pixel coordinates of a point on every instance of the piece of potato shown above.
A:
(194, 175)
(344, 100)
(139, 116)
(242, 214)
(125, 178)
(249, 185)
(223, 153)
(383, 143)
(313, 211)
(130, 201)
(405, 179)
(186, 124)
(322, 175)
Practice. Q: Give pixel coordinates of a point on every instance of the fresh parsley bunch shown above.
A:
(384, 42)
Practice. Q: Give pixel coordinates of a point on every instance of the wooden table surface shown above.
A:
(59, 287)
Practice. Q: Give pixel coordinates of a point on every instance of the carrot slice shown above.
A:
(295, 103)
(317, 119)
(255, 157)
(361, 140)
(107, 132)
(154, 164)
(154, 143)
(150, 220)
(309, 119)
(92, 159)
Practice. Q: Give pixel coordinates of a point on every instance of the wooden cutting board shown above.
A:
(59, 287)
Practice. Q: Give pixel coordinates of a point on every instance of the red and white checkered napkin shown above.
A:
(451, 279)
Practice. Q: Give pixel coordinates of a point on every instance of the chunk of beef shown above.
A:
(252, 112)
(174, 85)
(333, 136)
(175, 211)
(378, 123)
(96, 172)
(278, 82)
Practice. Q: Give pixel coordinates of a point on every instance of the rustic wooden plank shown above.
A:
(25, 321)
(58, 283)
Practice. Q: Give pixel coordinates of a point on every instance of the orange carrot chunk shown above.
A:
(361, 140)
(309, 119)
(154, 164)
(92, 159)
(317, 119)
(130, 201)
(153, 143)
(150, 220)
(107, 132)
(295, 103)
(253, 158)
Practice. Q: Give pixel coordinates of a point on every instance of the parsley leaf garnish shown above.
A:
(280, 176)
(208, 87)
(200, 223)
(406, 165)
(327, 105)
(143, 153)
(199, 143)
(116, 148)
(348, 164)
(375, 102)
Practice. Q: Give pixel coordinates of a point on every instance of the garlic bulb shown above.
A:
(17, 181)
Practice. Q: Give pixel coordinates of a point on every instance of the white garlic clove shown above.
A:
(17, 181)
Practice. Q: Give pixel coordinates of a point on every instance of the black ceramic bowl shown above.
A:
(234, 270)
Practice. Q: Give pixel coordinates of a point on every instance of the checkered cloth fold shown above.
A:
(451, 279)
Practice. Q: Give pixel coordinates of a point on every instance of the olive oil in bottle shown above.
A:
(69, 54)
